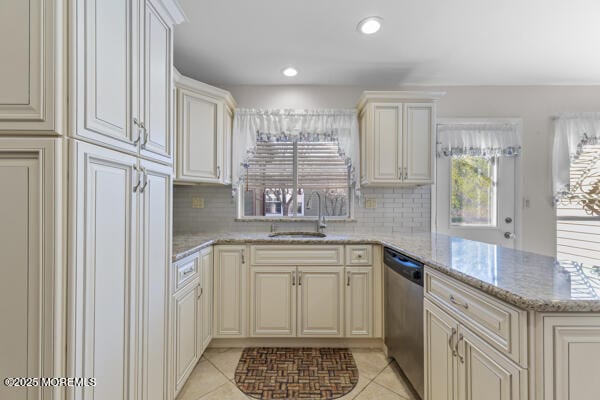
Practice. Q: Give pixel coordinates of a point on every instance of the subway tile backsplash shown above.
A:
(399, 210)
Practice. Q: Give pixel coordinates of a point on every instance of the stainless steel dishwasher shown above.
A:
(404, 315)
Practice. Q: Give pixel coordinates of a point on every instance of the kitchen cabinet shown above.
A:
(397, 137)
(273, 301)
(320, 301)
(203, 132)
(32, 70)
(31, 271)
(230, 286)
(186, 333)
(122, 207)
(205, 306)
(359, 301)
(122, 75)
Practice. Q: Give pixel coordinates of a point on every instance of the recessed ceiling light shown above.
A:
(369, 26)
(290, 72)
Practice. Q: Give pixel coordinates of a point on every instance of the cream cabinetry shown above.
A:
(570, 345)
(32, 72)
(473, 344)
(186, 333)
(119, 284)
(121, 83)
(230, 286)
(206, 297)
(203, 132)
(397, 137)
(320, 301)
(359, 299)
(32, 338)
(273, 301)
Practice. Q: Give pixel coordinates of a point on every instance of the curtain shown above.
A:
(478, 139)
(571, 133)
(252, 125)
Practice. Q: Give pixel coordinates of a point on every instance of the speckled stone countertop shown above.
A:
(527, 280)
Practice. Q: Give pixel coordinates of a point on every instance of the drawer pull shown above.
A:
(458, 303)
(187, 272)
(359, 255)
(451, 344)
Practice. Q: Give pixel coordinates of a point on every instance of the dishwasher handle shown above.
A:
(409, 268)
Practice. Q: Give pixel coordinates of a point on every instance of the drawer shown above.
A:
(359, 255)
(185, 271)
(296, 255)
(500, 324)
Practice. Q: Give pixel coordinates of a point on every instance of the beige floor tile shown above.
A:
(203, 379)
(391, 378)
(370, 363)
(227, 391)
(374, 391)
(226, 361)
(362, 383)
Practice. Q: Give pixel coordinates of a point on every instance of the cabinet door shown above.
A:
(186, 333)
(105, 270)
(155, 260)
(156, 142)
(273, 301)
(387, 142)
(484, 373)
(359, 301)
(320, 301)
(206, 258)
(29, 99)
(230, 291)
(199, 137)
(28, 260)
(440, 356)
(418, 140)
(571, 348)
(104, 36)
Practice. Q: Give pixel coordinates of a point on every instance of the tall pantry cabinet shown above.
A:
(86, 152)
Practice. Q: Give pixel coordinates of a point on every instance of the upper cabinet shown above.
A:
(397, 137)
(122, 75)
(31, 95)
(203, 132)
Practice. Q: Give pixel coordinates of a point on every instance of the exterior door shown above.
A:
(320, 301)
(156, 142)
(155, 258)
(359, 304)
(476, 198)
(387, 142)
(484, 373)
(273, 301)
(440, 361)
(230, 291)
(105, 273)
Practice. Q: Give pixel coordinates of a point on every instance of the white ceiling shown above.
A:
(422, 42)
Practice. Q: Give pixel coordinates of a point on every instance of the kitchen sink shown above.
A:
(302, 235)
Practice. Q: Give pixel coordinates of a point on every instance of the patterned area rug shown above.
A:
(296, 373)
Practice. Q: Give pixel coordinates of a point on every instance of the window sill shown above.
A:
(272, 219)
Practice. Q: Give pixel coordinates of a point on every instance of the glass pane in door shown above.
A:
(473, 197)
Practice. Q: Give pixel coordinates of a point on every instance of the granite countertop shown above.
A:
(527, 280)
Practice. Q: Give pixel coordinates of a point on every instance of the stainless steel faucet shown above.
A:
(321, 223)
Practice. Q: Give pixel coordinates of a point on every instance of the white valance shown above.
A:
(478, 139)
(571, 133)
(252, 125)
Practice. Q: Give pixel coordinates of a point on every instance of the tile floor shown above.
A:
(213, 378)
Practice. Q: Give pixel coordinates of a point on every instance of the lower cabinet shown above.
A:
(460, 365)
(186, 332)
(230, 291)
(205, 306)
(311, 301)
(320, 301)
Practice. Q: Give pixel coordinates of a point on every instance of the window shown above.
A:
(578, 212)
(473, 191)
(280, 176)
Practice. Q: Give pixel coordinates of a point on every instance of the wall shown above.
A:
(535, 105)
(399, 210)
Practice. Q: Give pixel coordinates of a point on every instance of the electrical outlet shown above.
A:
(197, 202)
(370, 203)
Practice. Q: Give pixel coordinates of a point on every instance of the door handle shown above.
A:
(299, 278)
(293, 279)
(243, 257)
(218, 172)
(450, 342)
(145, 180)
(348, 278)
(139, 178)
(461, 338)
(139, 136)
